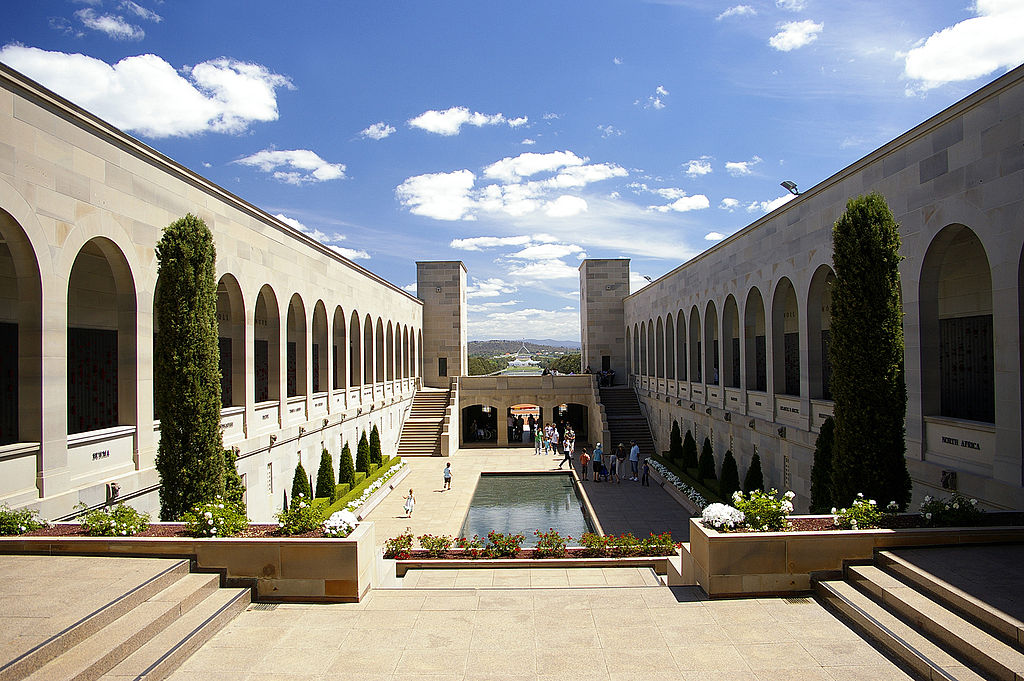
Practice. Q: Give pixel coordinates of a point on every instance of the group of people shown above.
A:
(615, 466)
(605, 377)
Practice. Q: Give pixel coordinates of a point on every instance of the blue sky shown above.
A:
(518, 138)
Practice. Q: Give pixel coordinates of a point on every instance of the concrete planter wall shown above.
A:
(774, 563)
(279, 569)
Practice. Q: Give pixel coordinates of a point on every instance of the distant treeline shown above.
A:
(492, 348)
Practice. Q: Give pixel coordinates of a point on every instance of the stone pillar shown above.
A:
(442, 288)
(604, 284)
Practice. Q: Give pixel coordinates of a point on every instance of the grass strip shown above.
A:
(356, 491)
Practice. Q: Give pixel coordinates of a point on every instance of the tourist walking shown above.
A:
(598, 454)
(645, 479)
(620, 461)
(554, 441)
(634, 460)
(447, 476)
(410, 504)
(538, 443)
(569, 444)
(566, 457)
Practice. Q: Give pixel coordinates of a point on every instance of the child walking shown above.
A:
(448, 475)
(410, 503)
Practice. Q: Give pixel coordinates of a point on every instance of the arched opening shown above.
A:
(577, 416)
(681, 345)
(957, 349)
(652, 359)
(338, 350)
(319, 347)
(390, 349)
(637, 364)
(756, 342)
(101, 339)
(296, 376)
(405, 352)
(20, 336)
(480, 423)
(267, 346)
(419, 353)
(355, 361)
(659, 349)
(695, 347)
(231, 341)
(670, 348)
(368, 350)
(731, 334)
(379, 356)
(711, 367)
(819, 322)
(643, 349)
(522, 422)
(785, 339)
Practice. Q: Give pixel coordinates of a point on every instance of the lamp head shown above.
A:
(790, 186)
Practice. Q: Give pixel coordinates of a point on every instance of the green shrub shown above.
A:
(675, 444)
(474, 547)
(762, 511)
(363, 454)
(754, 479)
(120, 521)
(501, 545)
(595, 545)
(301, 517)
(19, 520)
(300, 483)
(689, 452)
(375, 453)
(234, 488)
(550, 544)
(436, 545)
(863, 514)
(821, 470)
(325, 485)
(706, 464)
(658, 545)
(399, 547)
(729, 480)
(186, 369)
(346, 471)
(218, 518)
(957, 511)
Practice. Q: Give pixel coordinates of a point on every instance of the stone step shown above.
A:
(923, 656)
(100, 652)
(30, 662)
(166, 651)
(952, 632)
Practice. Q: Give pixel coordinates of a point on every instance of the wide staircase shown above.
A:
(144, 633)
(421, 433)
(625, 420)
(936, 629)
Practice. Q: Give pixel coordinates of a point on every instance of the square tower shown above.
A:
(604, 284)
(441, 285)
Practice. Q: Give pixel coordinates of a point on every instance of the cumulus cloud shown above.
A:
(548, 251)
(146, 95)
(515, 168)
(684, 204)
(450, 121)
(795, 34)
(714, 236)
(769, 206)
(330, 240)
(489, 288)
(442, 196)
(565, 206)
(294, 166)
(737, 11)
(741, 168)
(479, 243)
(792, 5)
(377, 131)
(699, 166)
(729, 204)
(528, 322)
(969, 49)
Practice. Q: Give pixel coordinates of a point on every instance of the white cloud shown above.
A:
(699, 166)
(636, 281)
(542, 270)
(528, 322)
(146, 95)
(550, 251)
(969, 49)
(490, 305)
(411, 288)
(351, 253)
(565, 206)
(609, 131)
(660, 90)
(450, 121)
(488, 288)
(294, 166)
(655, 101)
(513, 169)
(685, 204)
(478, 243)
(327, 239)
(670, 193)
(737, 11)
(114, 26)
(769, 206)
(442, 196)
(741, 168)
(714, 236)
(729, 204)
(378, 131)
(528, 142)
(792, 5)
(551, 116)
(795, 34)
(617, 61)
(140, 11)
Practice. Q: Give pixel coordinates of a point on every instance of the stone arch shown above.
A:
(651, 355)
(785, 339)
(711, 368)
(578, 416)
(637, 365)
(480, 423)
(21, 367)
(696, 361)
(731, 343)
(267, 346)
(231, 341)
(659, 349)
(379, 358)
(629, 351)
(296, 347)
(368, 375)
(670, 348)
(419, 353)
(643, 349)
(102, 375)
(339, 350)
(755, 339)
(681, 372)
(355, 355)
(819, 322)
(319, 347)
(957, 343)
(389, 347)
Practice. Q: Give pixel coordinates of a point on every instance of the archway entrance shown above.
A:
(480, 424)
(523, 421)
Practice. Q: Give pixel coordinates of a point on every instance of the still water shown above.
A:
(524, 503)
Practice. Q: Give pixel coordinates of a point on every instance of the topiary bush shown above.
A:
(689, 451)
(234, 488)
(363, 454)
(675, 444)
(821, 470)
(346, 470)
(729, 480)
(754, 479)
(706, 464)
(325, 485)
(186, 369)
(375, 453)
(300, 483)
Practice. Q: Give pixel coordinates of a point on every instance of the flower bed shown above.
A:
(692, 500)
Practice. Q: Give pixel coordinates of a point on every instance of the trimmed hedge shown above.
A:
(361, 484)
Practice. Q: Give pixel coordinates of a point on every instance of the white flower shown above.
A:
(790, 494)
(833, 510)
(721, 516)
(974, 502)
(872, 502)
(956, 505)
(928, 516)
(737, 497)
(860, 495)
(927, 498)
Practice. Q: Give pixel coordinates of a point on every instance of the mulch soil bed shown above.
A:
(908, 521)
(527, 554)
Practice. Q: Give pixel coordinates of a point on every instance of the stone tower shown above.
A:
(604, 284)
(441, 285)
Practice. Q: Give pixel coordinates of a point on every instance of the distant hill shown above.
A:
(491, 348)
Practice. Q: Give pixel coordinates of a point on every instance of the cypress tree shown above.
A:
(866, 352)
(325, 477)
(821, 470)
(300, 484)
(689, 452)
(729, 479)
(234, 488)
(363, 454)
(346, 471)
(754, 479)
(675, 444)
(376, 456)
(706, 465)
(186, 371)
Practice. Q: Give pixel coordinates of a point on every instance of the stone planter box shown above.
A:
(674, 492)
(729, 564)
(382, 492)
(277, 569)
(657, 563)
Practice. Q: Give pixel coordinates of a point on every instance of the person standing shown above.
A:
(410, 504)
(598, 455)
(645, 479)
(554, 441)
(613, 468)
(620, 461)
(634, 460)
(584, 462)
(447, 476)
